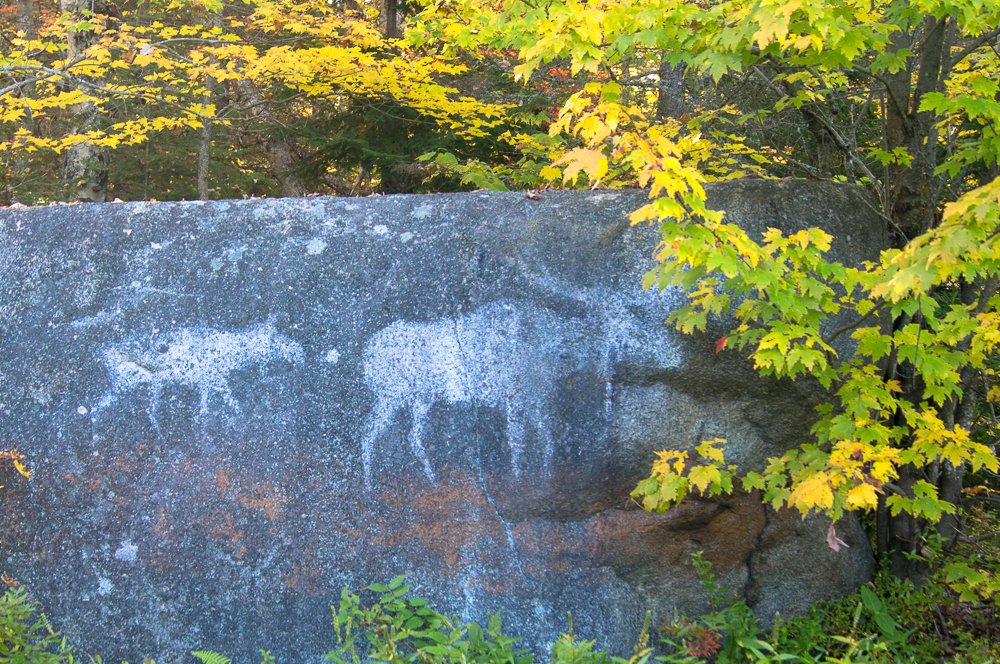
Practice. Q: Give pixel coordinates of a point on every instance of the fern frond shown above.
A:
(209, 657)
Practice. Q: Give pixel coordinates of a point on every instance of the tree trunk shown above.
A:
(205, 135)
(85, 166)
(388, 19)
(279, 152)
(670, 98)
(823, 142)
(906, 535)
(205, 146)
(913, 204)
(26, 18)
(25, 26)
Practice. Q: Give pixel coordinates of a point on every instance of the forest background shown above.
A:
(177, 99)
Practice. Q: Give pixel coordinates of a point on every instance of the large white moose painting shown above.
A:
(502, 355)
(506, 355)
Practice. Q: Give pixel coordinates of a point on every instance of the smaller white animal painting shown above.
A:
(196, 357)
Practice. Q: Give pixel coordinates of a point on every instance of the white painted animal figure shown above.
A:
(197, 357)
(503, 355)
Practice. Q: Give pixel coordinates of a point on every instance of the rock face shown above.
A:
(235, 409)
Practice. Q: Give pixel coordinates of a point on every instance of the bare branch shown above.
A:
(838, 139)
(893, 488)
(850, 326)
(900, 108)
(974, 45)
(974, 540)
(982, 499)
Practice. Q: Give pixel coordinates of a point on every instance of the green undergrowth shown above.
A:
(884, 621)
(27, 637)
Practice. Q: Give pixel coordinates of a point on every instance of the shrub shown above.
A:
(23, 641)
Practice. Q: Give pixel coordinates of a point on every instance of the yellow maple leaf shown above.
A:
(702, 476)
(662, 464)
(863, 496)
(883, 471)
(591, 162)
(709, 450)
(813, 492)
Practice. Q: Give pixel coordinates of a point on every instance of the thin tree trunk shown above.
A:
(912, 205)
(905, 536)
(825, 147)
(205, 136)
(823, 142)
(881, 531)
(388, 20)
(391, 19)
(85, 165)
(670, 98)
(279, 152)
(26, 18)
(25, 26)
(205, 145)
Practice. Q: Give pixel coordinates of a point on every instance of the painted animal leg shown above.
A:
(419, 411)
(545, 433)
(515, 435)
(376, 423)
(228, 396)
(154, 400)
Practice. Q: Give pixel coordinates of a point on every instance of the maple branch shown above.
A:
(975, 540)
(84, 82)
(974, 45)
(811, 170)
(862, 113)
(985, 499)
(15, 86)
(894, 488)
(850, 326)
(207, 40)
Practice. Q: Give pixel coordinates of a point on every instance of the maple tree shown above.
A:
(901, 97)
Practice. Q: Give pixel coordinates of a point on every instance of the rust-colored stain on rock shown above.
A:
(262, 496)
(622, 539)
(222, 527)
(443, 520)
